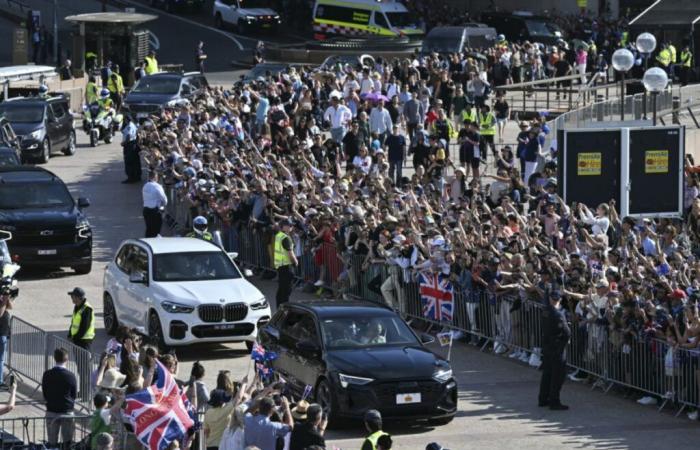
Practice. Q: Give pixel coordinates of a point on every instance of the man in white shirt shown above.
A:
(154, 200)
(380, 121)
(338, 115)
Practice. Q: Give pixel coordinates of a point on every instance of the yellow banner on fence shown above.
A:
(656, 161)
(589, 163)
(582, 3)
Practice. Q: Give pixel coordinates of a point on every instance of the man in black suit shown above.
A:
(555, 335)
(59, 387)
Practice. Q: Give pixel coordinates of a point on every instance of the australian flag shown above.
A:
(258, 352)
(158, 414)
(436, 296)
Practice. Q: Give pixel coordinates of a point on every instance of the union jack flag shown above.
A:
(436, 296)
(158, 413)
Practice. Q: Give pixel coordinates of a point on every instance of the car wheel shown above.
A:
(93, 138)
(70, 149)
(441, 421)
(109, 315)
(324, 397)
(45, 151)
(84, 268)
(155, 332)
(108, 137)
(218, 23)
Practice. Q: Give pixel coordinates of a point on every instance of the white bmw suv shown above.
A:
(180, 291)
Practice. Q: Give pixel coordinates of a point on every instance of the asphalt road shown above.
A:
(497, 396)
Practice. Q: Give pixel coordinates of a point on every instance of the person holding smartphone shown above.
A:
(311, 424)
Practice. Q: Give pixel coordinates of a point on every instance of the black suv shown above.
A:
(49, 229)
(154, 92)
(43, 125)
(179, 5)
(358, 356)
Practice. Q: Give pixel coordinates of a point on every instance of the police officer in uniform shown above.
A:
(284, 261)
(373, 424)
(132, 160)
(686, 63)
(487, 122)
(555, 336)
(199, 229)
(82, 324)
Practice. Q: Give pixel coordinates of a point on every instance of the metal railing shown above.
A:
(30, 354)
(32, 432)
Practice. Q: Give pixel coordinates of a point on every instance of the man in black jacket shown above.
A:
(59, 387)
(555, 335)
(310, 426)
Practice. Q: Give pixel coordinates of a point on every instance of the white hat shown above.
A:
(399, 239)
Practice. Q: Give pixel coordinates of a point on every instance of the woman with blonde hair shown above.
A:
(233, 437)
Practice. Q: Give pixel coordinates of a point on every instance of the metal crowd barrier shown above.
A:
(31, 432)
(30, 354)
(504, 321)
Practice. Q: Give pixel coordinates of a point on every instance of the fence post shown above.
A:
(600, 108)
(675, 105)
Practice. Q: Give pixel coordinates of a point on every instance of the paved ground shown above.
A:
(497, 396)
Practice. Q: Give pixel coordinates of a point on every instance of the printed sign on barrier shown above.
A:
(656, 161)
(589, 163)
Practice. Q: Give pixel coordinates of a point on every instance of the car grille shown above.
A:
(232, 312)
(235, 312)
(43, 237)
(141, 108)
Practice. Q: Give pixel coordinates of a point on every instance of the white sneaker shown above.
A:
(500, 349)
(647, 400)
(669, 395)
(535, 360)
(572, 377)
(515, 354)
(318, 283)
(524, 357)
(693, 415)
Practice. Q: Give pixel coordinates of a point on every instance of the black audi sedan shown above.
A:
(358, 356)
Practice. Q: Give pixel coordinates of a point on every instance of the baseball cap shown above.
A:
(78, 292)
(602, 284)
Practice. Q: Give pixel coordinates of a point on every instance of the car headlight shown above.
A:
(83, 227)
(36, 134)
(176, 308)
(249, 18)
(346, 380)
(6, 227)
(442, 375)
(262, 304)
(277, 17)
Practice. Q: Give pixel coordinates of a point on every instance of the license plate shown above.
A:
(405, 399)
(46, 252)
(266, 25)
(141, 115)
(225, 327)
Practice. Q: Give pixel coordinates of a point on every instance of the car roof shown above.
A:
(37, 100)
(160, 245)
(342, 308)
(23, 174)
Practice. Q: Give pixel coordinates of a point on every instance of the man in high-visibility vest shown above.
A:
(151, 63)
(115, 86)
(470, 114)
(199, 229)
(373, 424)
(686, 63)
(672, 51)
(487, 122)
(664, 58)
(284, 261)
(91, 91)
(82, 324)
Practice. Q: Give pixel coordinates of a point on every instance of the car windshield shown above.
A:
(34, 195)
(194, 266)
(262, 71)
(19, 113)
(8, 159)
(538, 28)
(402, 20)
(158, 85)
(363, 332)
(255, 3)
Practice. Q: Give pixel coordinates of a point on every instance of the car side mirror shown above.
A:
(247, 273)
(426, 338)
(307, 346)
(138, 278)
(232, 255)
(83, 202)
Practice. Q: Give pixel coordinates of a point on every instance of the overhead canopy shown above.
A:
(669, 12)
(112, 17)
(28, 72)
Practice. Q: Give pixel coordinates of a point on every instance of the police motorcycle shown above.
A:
(101, 120)
(8, 269)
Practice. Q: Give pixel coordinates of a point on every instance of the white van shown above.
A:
(364, 17)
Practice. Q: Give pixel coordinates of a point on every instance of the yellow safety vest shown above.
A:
(672, 50)
(664, 57)
(151, 65)
(75, 322)
(281, 255)
(90, 93)
(687, 59)
(488, 125)
(106, 103)
(470, 115)
(115, 88)
(374, 437)
(625, 38)
(207, 236)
